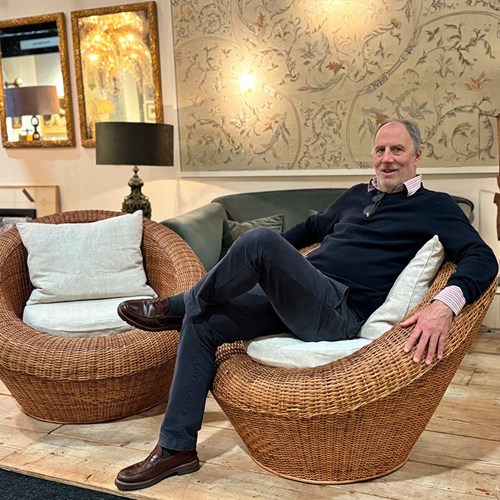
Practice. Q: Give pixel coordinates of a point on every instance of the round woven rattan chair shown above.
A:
(82, 380)
(350, 420)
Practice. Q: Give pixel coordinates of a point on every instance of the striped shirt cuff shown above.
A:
(453, 297)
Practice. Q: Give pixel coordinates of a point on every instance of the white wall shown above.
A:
(85, 185)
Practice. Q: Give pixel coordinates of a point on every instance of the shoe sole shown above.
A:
(175, 326)
(188, 468)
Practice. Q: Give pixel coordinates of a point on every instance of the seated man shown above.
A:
(264, 286)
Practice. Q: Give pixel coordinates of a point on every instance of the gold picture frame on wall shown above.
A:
(35, 56)
(117, 65)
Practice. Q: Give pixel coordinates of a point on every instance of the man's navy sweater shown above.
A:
(368, 253)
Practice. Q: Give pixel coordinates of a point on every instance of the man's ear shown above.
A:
(418, 156)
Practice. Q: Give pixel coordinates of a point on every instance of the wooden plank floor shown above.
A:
(457, 457)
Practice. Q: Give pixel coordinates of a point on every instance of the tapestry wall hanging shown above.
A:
(301, 85)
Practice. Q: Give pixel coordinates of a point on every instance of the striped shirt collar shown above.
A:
(412, 185)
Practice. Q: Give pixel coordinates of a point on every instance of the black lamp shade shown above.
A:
(35, 100)
(131, 143)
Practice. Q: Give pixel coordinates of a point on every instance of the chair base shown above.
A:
(329, 449)
(107, 416)
(329, 481)
(91, 401)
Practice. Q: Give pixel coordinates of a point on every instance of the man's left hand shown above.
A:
(431, 329)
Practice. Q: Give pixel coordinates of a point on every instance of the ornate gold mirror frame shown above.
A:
(117, 66)
(34, 71)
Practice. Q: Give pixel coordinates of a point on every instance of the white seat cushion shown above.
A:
(287, 351)
(82, 318)
(84, 261)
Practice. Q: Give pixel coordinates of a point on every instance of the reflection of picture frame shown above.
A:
(54, 124)
(17, 121)
(150, 111)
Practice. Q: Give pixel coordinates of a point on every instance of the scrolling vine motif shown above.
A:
(318, 81)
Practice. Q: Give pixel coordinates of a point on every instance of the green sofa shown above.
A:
(205, 228)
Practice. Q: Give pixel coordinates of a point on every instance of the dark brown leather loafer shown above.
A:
(149, 314)
(155, 468)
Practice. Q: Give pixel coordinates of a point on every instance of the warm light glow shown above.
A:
(116, 42)
(346, 17)
(247, 81)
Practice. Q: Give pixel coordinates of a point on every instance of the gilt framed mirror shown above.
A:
(117, 66)
(35, 90)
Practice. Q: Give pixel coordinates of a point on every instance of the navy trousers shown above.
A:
(262, 286)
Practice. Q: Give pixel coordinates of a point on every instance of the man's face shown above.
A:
(394, 159)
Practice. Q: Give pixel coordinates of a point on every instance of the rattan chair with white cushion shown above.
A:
(352, 419)
(89, 378)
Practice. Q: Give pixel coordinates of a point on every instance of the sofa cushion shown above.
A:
(82, 261)
(408, 290)
(232, 229)
(81, 318)
(294, 204)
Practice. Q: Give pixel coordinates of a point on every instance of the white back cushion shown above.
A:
(408, 290)
(83, 261)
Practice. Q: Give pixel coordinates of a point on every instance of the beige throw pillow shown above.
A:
(83, 261)
(408, 290)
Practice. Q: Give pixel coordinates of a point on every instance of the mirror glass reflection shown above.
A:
(36, 100)
(117, 66)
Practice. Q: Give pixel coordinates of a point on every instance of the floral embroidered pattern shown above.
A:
(295, 84)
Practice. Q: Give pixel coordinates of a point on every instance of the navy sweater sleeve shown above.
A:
(476, 263)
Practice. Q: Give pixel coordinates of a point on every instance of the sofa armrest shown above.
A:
(201, 229)
(466, 205)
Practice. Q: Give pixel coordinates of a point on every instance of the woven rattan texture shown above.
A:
(82, 380)
(350, 420)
